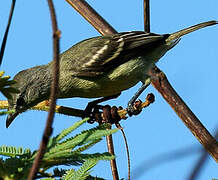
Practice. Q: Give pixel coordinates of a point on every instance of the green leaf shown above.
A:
(67, 131)
(84, 137)
(87, 146)
(5, 86)
(12, 151)
(98, 156)
(6, 112)
(82, 173)
(67, 152)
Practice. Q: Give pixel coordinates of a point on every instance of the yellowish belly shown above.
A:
(122, 78)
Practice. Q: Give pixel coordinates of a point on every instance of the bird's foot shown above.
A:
(102, 114)
(91, 111)
(132, 108)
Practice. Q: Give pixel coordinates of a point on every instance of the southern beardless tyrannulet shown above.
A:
(97, 67)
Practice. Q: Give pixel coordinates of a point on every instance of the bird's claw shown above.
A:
(132, 108)
(91, 111)
(107, 114)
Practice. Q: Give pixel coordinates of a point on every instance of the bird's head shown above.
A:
(33, 85)
(19, 102)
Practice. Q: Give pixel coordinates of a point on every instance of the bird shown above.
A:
(97, 67)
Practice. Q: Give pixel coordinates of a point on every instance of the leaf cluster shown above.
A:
(16, 162)
(6, 85)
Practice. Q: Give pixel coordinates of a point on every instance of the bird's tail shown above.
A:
(188, 30)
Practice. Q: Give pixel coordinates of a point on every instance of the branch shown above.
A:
(44, 106)
(6, 31)
(110, 146)
(200, 163)
(54, 88)
(161, 83)
(127, 147)
(147, 16)
(98, 22)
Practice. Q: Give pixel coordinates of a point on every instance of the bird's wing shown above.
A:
(95, 56)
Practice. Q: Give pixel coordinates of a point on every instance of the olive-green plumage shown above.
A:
(97, 67)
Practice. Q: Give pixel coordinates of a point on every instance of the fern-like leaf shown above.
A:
(87, 146)
(60, 152)
(5, 85)
(82, 173)
(84, 137)
(67, 131)
(98, 156)
(12, 151)
(55, 140)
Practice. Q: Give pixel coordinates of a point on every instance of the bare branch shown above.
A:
(147, 16)
(45, 106)
(6, 31)
(54, 88)
(98, 22)
(110, 146)
(127, 148)
(161, 83)
(200, 163)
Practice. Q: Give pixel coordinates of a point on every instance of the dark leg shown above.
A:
(91, 105)
(130, 109)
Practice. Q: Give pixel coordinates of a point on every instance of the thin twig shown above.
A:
(54, 88)
(99, 23)
(6, 31)
(45, 106)
(200, 163)
(164, 158)
(127, 147)
(161, 83)
(147, 16)
(110, 146)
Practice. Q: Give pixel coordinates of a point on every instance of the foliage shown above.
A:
(16, 162)
(5, 85)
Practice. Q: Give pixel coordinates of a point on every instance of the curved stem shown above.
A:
(54, 88)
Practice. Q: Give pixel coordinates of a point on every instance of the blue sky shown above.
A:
(157, 133)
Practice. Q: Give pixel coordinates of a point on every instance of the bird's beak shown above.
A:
(190, 29)
(173, 43)
(10, 118)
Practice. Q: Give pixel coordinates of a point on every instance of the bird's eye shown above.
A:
(20, 102)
